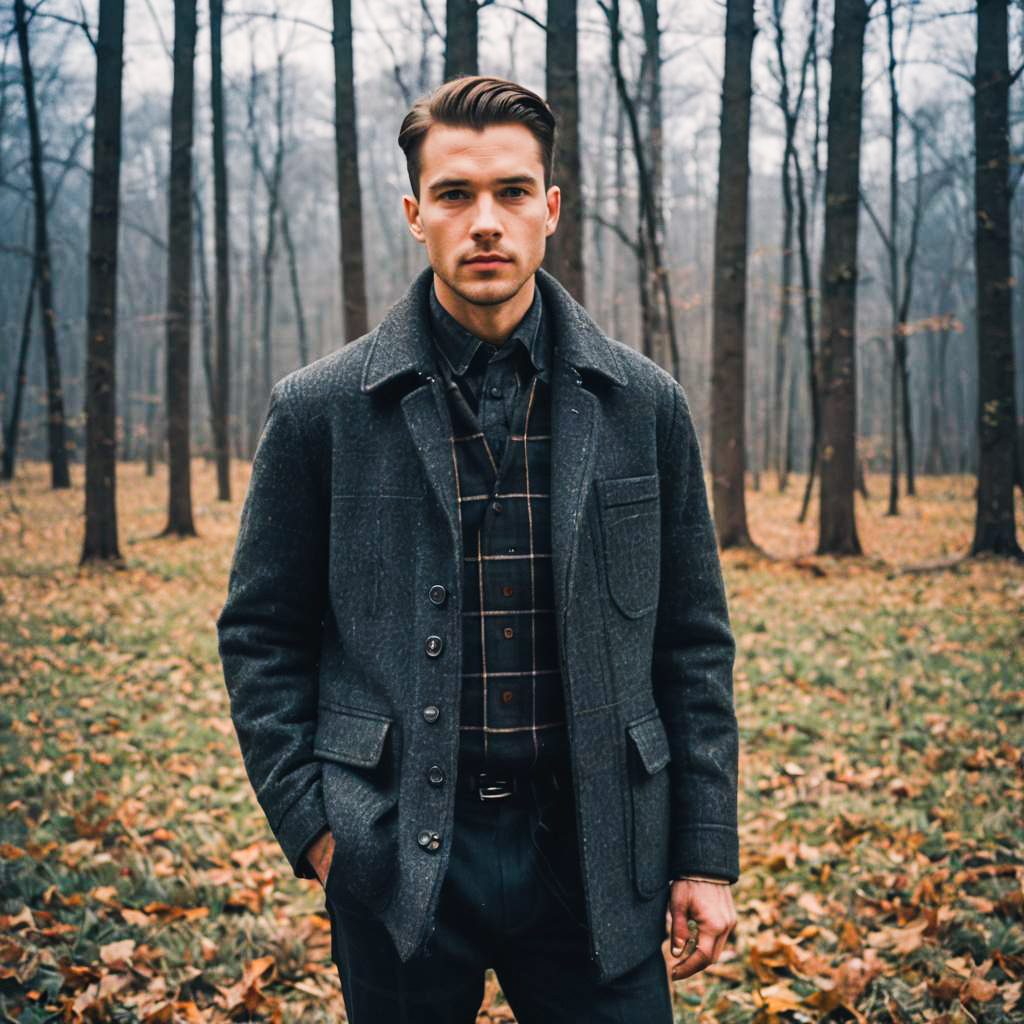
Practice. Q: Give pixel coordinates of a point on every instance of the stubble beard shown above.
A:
(490, 299)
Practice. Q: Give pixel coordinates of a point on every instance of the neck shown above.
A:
(493, 324)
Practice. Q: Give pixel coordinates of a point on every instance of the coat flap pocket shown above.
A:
(350, 736)
(626, 489)
(651, 742)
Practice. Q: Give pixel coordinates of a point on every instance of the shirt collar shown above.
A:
(459, 345)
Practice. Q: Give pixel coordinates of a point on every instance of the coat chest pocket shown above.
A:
(631, 533)
(649, 785)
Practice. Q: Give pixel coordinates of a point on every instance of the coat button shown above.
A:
(431, 713)
(429, 840)
(433, 646)
(497, 507)
(437, 593)
(435, 774)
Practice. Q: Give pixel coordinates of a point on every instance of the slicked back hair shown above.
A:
(477, 101)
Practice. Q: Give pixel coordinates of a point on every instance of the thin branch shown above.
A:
(425, 7)
(631, 243)
(83, 25)
(274, 16)
(519, 10)
(159, 30)
(874, 220)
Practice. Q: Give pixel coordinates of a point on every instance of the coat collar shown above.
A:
(401, 343)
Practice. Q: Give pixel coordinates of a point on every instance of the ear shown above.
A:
(412, 215)
(554, 201)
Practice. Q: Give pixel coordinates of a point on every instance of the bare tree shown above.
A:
(100, 541)
(350, 207)
(221, 249)
(179, 273)
(728, 332)
(657, 321)
(60, 475)
(778, 435)
(837, 526)
(565, 247)
(994, 528)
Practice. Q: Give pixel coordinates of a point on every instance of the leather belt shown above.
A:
(500, 785)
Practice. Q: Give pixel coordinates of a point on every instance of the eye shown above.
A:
(454, 193)
(520, 192)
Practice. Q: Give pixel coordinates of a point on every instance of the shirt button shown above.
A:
(508, 633)
(435, 774)
(495, 391)
(433, 646)
(507, 591)
(429, 840)
(437, 593)
(507, 696)
(431, 713)
(497, 507)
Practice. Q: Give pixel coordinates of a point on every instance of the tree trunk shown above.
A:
(728, 379)
(813, 379)
(205, 313)
(350, 212)
(837, 527)
(293, 274)
(995, 529)
(894, 438)
(461, 34)
(894, 275)
(60, 475)
(565, 247)
(222, 271)
(273, 186)
(20, 379)
(253, 405)
(100, 394)
(151, 407)
(179, 274)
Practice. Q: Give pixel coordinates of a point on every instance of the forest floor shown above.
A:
(882, 779)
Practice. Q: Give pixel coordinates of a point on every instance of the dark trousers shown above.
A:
(512, 899)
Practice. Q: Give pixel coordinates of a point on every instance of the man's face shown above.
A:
(483, 212)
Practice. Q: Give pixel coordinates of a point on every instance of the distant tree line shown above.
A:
(803, 344)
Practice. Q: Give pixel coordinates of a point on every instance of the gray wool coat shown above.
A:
(350, 520)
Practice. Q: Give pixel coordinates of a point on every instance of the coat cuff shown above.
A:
(301, 824)
(706, 850)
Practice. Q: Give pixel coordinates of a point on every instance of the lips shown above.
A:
(487, 260)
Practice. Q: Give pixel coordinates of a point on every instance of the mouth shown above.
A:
(488, 261)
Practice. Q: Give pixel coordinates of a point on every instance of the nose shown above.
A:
(485, 220)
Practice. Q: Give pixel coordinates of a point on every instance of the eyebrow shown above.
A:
(513, 179)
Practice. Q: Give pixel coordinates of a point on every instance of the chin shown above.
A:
(488, 293)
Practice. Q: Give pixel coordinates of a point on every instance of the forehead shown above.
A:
(498, 150)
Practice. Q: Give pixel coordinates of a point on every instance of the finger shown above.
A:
(698, 959)
(684, 935)
(720, 941)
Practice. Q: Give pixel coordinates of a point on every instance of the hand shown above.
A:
(320, 854)
(710, 906)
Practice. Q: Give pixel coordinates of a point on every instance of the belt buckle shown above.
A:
(493, 790)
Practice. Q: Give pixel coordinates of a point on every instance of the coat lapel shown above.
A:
(401, 344)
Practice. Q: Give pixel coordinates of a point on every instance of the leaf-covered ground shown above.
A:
(882, 781)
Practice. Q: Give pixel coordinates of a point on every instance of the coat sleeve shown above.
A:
(269, 631)
(692, 664)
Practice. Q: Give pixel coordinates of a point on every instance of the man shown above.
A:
(476, 638)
